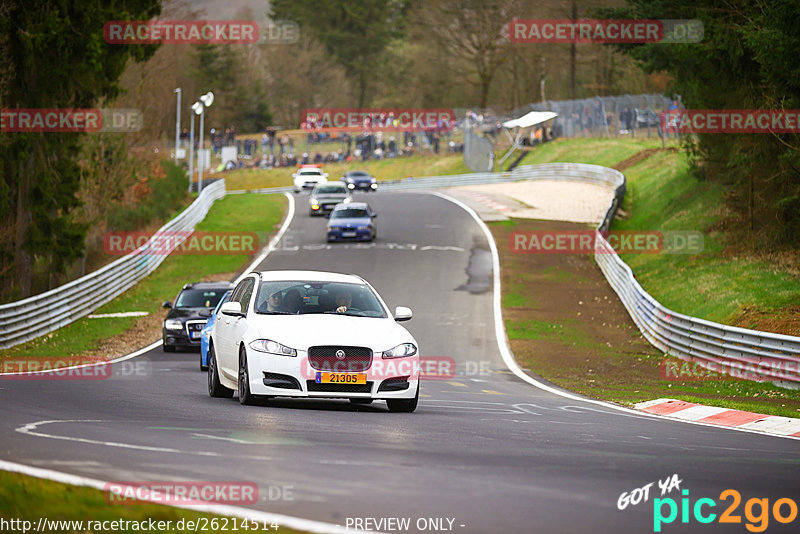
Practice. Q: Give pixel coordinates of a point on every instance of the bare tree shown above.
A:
(473, 32)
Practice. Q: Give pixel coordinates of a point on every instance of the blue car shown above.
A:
(206, 333)
(354, 221)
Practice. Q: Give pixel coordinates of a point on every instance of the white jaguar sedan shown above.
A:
(312, 334)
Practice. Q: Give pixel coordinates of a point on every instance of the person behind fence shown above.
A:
(672, 118)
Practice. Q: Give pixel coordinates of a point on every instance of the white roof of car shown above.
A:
(311, 276)
(312, 170)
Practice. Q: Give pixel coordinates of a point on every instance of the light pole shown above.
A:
(205, 101)
(177, 124)
(191, 146)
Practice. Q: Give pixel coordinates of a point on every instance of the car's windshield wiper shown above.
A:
(277, 313)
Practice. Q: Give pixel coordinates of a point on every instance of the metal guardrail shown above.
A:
(738, 352)
(40, 314)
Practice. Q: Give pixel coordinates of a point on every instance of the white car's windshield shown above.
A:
(312, 297)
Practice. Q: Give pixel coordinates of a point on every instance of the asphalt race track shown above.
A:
(485, 449)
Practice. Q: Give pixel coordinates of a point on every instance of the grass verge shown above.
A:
(110, 337)
(26, 498)
(566, 324)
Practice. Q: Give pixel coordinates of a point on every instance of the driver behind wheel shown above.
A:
(343, 301)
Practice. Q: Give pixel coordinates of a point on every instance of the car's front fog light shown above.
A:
(400, 351)
(272, 347)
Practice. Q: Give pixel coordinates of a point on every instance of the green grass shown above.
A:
(606, 152)
(29, 499)
(245, 213)
(725, 392)
(385, 169)
(662, 196)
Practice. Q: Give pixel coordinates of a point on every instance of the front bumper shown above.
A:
(348, 234)
(363, 186)
(283, 376)
(183, 337)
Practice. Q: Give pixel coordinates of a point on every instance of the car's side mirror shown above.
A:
(232, 308)
(325, 175)
(401, 313)
(294, 175)
(166, 304)
(374, 215)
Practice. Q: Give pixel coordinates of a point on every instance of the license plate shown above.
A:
(194, 335)
(341, 378)
(348, 234)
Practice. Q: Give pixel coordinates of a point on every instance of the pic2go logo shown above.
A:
(756, 511)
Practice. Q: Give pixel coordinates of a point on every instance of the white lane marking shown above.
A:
(273, 244)
(475, 408)
(222, 438)
(31, 429)
(118, 314)
(292, 522)
(508, 358)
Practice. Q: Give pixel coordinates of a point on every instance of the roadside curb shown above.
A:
(689, 411)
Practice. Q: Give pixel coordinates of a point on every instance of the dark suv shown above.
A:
(184, 323)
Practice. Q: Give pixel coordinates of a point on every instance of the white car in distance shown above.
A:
(308, 176)
(312, 334)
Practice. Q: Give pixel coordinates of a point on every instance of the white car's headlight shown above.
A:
(351, 185)
(405, 349)
(272, 347)
(347, 200)
(173, 324)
